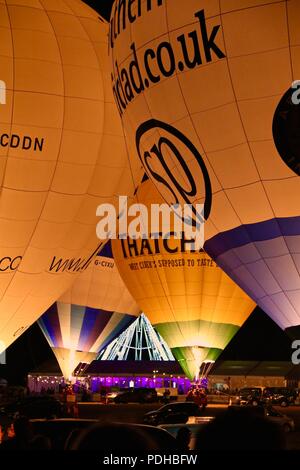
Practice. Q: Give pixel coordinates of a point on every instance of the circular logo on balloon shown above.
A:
(286, 128)
(166, 153)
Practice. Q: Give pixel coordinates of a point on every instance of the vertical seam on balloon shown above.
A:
(92, 44)
(254, 162)
(221, 279)
(236, 102)
(224, 192)
(25, 248)
(13, 91)
(237, 106)
(171, 306)
(127, 153)
(122, 123)
(105, 102)
(60, 312)
(293, 75)
(88, 193)
(193, 125)
(61, 342)
(152, 256)
(170, 303)
(211, 169)
(191, 120)
(177, 321)
(49, 190)
(7, 156)
(289, 38)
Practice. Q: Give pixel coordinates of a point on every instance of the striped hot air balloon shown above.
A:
(90, 315)
(191, 302)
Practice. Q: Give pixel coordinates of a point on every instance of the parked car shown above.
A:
(172, 413)
(194, 427)
(33, 407)
(136, 395)
(250, 396)
(266, 395)
(161, 439)
(117, 436)
(285, 422)
(280, 396)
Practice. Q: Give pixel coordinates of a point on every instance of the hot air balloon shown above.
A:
(61, 148)
(209, 98)
(90, 315)
(190, 301)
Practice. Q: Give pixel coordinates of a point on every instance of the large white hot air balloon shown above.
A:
(61, 148)
(210, 109)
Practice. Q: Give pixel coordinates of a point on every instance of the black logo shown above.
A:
(158, 149)
(286, 129)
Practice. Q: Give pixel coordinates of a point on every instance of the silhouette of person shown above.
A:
(241, 428)
(121, 437)
(183, 438)
(22, 437)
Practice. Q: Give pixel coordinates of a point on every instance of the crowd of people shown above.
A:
(197, 395)
(233, 429)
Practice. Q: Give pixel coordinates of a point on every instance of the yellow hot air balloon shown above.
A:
(61, 148)
(192, 303)
(90, 315)
(209, 97)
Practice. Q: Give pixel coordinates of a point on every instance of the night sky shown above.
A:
(259, 339)
(101, 6)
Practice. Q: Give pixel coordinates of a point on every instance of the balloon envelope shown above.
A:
(90, 315)
(62, 152)
(191, 302)
(213, 118)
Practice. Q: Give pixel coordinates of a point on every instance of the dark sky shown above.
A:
(101, 6)
(260, 338)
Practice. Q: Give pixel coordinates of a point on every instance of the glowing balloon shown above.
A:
(61, 148)
(192, 303)
(90, 315)
(205, 95)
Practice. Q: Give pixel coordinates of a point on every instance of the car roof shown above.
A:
(64, 420)
(192, 426)
(159, 434)
(176, 403)
(256, 387)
